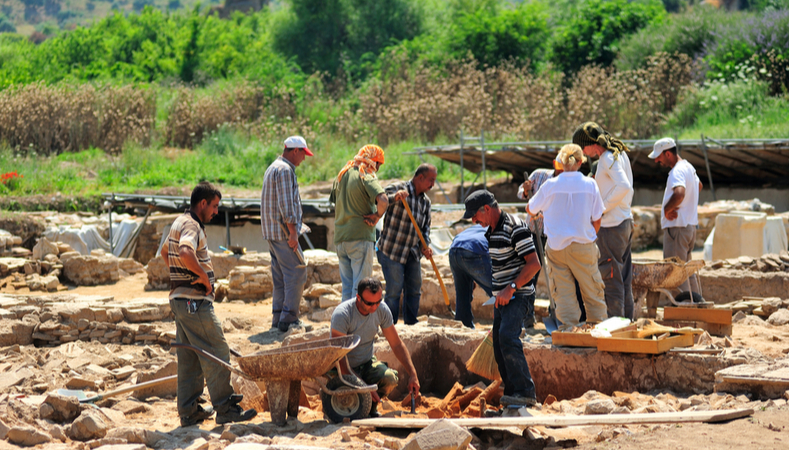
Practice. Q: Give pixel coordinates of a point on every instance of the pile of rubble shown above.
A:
(10, 245)
(42, 269)
(767, 263)
(55, 320)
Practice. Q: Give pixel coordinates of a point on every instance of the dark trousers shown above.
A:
(614, 243)
(508, 349)
(469, 268)
(201, 329)
(402, 278)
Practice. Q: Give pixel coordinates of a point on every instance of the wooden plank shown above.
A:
(627, 342)
(561, 339)
(567, 421)
(753, 380)
(718, 316)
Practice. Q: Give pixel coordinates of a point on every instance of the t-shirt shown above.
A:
(683, 174)
(472, 239)
(509, 242)
(348, 320)
(570, 203)
(354, 197)
(187, 230)
(616, 185)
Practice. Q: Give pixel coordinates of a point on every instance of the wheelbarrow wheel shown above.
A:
(351, 406)
(686, 296)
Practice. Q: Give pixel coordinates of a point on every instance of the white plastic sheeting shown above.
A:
(87, 237)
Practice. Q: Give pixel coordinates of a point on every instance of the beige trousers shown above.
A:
(576, 262)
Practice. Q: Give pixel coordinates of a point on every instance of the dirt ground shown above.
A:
(767, 428)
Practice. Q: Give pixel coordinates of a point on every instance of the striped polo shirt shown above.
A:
(509, 242)
(187, 230)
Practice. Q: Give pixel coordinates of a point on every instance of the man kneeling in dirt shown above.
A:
(363, 318)
(192, 303)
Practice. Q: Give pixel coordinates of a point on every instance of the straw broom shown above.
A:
(482, 361)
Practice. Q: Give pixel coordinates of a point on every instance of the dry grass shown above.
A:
(56, 119)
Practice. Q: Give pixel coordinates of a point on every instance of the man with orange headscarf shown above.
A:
(360, 202)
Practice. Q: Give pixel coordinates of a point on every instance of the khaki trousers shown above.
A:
(576, 262)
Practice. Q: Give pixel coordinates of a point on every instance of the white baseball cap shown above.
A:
(298, 142)
(661, 145)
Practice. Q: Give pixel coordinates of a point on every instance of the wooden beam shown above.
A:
(718, 316)
(567, 421)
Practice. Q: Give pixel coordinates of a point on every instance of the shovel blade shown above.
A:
(73, 393)
(551, 324)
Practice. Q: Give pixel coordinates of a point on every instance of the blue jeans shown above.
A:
(469, 268)
(508, 349)
(201, 329)
(356, 263)
(288, 282)
(402, 278)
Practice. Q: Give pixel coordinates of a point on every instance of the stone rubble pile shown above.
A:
(9, 244)
(52, 321)
(767, 263)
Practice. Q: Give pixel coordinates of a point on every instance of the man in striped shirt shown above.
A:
(514, 264)
(281, 225)
(399, 249)
(191, 300)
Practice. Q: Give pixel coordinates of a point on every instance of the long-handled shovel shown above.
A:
(435, 269)
(85, 399)
(298, 254)
(550, 321)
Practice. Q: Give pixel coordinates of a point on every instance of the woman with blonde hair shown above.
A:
(572, 210)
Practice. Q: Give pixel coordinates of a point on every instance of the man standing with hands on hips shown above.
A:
(679, 208)
(514, 264)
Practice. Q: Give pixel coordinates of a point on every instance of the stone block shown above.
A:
(250, 283)
(772, 304)
(27, 436)
(91, 270)
(163, 390)
(328, 300)
(600, 406)
(779, 318)
(440, 435)
(62, 408)
(318, 289)
(43, 248)
(324, 315)
(738, 234)
(91, 424)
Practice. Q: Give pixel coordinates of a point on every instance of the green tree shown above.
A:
(6, 26)
(593, 33)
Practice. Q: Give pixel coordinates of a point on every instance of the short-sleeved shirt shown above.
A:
(683, 174)
(348, 320)
(187, 230)
(280, 200)
(354, 197)
(472, 239)
(509, 242)
(570, 203)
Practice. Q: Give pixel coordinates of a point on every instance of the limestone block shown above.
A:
(73, 313)
(91, 270)
(163, 390)
(329, 300)
(779, 318)
(601, 406)
(647, 227)
(318, 289)
(27, 436)
(65, 256)
(16, 332)
(326, 267)
(91, 424)
(50, 283)
(324, 315)
(771, 305)
(130, 266)
(440, 435)
(738, 234)
(158, 274)
(62, 408)
(43, 248)
(250, 283)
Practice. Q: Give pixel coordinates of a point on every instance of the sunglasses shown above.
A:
(371, 304)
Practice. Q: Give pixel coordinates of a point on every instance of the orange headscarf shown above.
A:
(366, 160)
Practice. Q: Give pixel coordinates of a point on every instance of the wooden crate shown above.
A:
(561, 339)
(716, 316)
(628, 342)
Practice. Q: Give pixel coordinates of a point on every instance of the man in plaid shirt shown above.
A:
(281, 225)
(399, 249)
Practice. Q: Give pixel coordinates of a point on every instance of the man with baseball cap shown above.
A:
(679, 207)
(281, 225)
(616, 185)
(514, 264)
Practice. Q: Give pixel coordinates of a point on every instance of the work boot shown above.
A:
(234, 413)
(285, 326)
(197, 417)
(518, 400)
(374, 410)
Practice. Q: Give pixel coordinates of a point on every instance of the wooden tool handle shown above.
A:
(424, 244)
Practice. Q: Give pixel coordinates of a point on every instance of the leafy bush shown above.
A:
(496, 36)
(592, 34)
(6, 26)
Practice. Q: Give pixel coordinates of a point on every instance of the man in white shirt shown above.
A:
(679, 207)
(616, 185)
(572, 210)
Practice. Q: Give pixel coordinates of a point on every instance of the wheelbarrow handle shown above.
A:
(213, 358)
